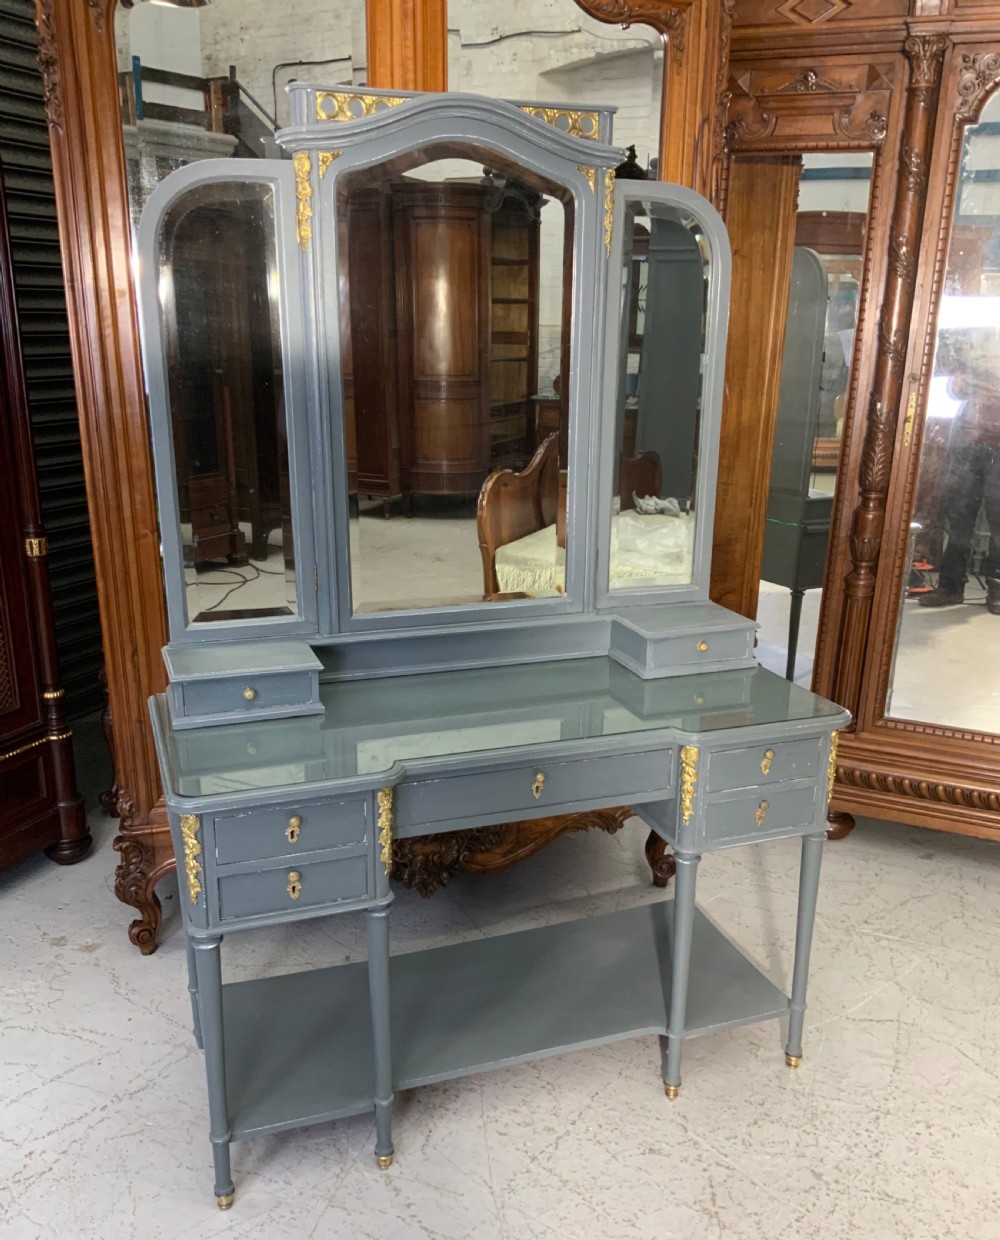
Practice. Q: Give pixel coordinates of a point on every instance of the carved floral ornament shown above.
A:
(978, 76)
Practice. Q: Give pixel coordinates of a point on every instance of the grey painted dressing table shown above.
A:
(326, 698)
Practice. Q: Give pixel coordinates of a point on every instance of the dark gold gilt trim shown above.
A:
(192, 851)
(42, 740)
(384, 798)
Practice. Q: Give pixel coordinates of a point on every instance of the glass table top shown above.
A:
(370, 725)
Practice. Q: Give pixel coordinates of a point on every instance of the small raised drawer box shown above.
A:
(231, 682)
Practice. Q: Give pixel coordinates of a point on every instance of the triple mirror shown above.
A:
(377, 384)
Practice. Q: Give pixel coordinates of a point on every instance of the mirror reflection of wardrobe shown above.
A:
(441, 395)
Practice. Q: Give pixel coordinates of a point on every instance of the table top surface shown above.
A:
(370, 726)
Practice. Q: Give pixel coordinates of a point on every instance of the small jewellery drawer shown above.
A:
(259, 834)
(710, 647)
(762, 812)
(600, 781)
(249, 694)
(763, 764)
(293, 887)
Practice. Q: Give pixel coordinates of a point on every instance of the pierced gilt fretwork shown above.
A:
(346, 105)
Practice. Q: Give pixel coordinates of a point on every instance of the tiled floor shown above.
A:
(890, 1128)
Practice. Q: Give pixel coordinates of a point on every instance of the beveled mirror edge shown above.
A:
(279, 176)
(604, 446)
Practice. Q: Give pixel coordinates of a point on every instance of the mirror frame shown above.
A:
(778, 108)
(968, 99)
(279, 177)
(716, 320)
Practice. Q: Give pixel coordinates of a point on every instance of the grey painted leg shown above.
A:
(208, 969)
(378, 982)
(684, 884)
(193, 991)
(812, 855)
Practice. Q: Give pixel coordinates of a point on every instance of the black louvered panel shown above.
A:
(45, 340)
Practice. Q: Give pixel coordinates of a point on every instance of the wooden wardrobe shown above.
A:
(907, 84)
(439, 398)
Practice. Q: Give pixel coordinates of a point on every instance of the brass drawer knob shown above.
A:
(294, 829)
(765, 762)
(703, 646)
(294, 884)
(761, 813)
(249, 693)
(538, 785)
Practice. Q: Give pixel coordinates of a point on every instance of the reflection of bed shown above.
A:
(516, 521)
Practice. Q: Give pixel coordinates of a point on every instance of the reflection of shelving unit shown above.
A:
(513, 328)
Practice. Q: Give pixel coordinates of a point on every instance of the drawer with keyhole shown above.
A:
(749, 767)
(771, 811)
(279, 831)
(292, 887)
(537, 788)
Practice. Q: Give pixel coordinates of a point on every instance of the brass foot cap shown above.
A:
(671, 1091)
(225, 1202)
(384, 1161)
(793, 1061)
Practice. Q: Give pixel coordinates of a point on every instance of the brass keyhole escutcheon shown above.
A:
(249, 693)
(761, 813)
(294, 829)
(703, 646)
(294, 884)
(765, 762)
(538, 785)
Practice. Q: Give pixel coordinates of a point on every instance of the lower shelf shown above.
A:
(298, 1046)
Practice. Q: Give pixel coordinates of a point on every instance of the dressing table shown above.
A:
(349, 689)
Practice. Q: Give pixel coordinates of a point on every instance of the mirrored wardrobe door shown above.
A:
(945, 669)
(810, 157)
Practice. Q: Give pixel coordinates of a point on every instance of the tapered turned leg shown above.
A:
(208, 969)
(193, 991)
(684, 886)
(378, 982)
(812, 855)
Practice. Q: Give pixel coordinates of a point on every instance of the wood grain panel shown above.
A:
(761, 222)
(446, 326)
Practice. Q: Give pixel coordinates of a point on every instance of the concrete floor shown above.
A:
(890, 1128)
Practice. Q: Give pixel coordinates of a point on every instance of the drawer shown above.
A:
(259, 834)
(766, 812)
(247, 694)
(598, 781)
(712, 647)
(273, 891)
(761, 765)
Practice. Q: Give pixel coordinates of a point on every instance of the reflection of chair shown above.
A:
(639, 475)
(513, 505)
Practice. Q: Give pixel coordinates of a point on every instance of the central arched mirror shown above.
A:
(455, 286)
